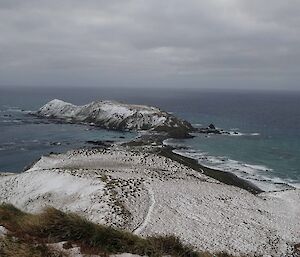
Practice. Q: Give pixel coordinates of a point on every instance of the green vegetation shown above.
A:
(52, 225)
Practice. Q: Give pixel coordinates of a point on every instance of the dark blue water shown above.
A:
(266, 149)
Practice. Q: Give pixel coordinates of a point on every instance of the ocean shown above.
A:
(264, 145)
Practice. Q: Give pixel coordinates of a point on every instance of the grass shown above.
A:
(53, 225)
(13, 247)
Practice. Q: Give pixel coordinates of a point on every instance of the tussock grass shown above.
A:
(53, 225)
(12, 247)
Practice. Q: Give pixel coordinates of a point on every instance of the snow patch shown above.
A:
(151, 194)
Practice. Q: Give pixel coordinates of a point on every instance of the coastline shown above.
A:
(167, 151)
(138, 189)
(145, 187)
(132, 117)
(222, 176)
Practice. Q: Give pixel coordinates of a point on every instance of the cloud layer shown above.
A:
(193, 43)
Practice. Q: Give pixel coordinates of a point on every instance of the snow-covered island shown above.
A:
(117, 116)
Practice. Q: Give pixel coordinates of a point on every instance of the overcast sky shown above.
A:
(151, 43)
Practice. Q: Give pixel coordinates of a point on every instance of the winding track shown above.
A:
(142, 226)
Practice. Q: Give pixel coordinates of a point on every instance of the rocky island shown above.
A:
(144, 189)
(117, 116)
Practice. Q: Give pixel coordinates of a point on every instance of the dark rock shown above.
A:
(100, 142)
(212, 126)
(53, 153)
(209, 131)
(175, 132)
(296, 252)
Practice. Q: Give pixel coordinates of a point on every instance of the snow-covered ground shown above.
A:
(75, 251)
(149, 194)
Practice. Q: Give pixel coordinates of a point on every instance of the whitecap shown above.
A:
(235, 133)
(258, 167)
(12, 109)
(10, 143)
(197, 125)
(259, 175)
(11, 121)
(173, 142)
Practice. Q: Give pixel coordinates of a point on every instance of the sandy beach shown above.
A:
(142, 191)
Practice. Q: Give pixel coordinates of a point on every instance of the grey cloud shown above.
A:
(216, 43)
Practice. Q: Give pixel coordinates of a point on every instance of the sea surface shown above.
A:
(264, 145)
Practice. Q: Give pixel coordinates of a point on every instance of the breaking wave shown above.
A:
(259, 175)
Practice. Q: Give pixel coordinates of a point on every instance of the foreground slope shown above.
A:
(115, 115)
(53, 233)
(148, 194)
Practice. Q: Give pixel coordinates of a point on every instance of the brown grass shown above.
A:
(53, 225)
(13, 247)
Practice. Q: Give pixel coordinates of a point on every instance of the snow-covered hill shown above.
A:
(115, 115)
(149, 194)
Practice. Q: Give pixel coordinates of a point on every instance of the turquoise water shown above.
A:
(24, 138)
(266, 163)
(267, 147)
(266, 151)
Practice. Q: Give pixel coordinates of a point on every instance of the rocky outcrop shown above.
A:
(211, 129)
(117, 116)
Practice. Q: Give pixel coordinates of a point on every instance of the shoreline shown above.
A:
(225, 177)
(141, 189)
(155, 141)
(222, 176)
